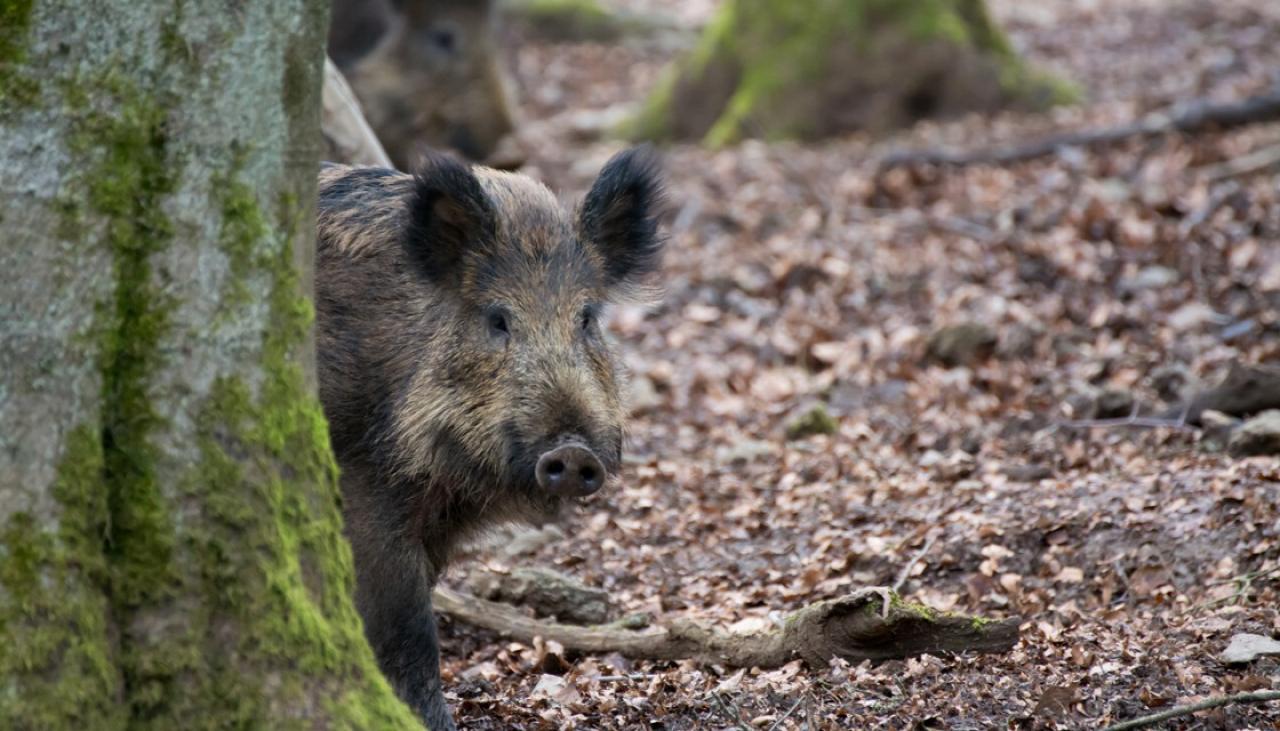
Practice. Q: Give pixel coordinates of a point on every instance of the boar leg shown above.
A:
(393, 594)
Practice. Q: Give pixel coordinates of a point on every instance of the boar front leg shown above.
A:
(393, 595)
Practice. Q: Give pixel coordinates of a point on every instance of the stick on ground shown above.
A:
(1261, 696)
(871, 624)
(1195, 117)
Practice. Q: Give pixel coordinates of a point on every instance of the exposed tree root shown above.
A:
(871, 624)
(546, 592)
(1198, 116)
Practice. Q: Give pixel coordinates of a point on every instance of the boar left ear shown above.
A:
(449, 215)
(619, 216)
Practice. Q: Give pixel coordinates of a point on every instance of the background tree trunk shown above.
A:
(811, 68)
(171, 552)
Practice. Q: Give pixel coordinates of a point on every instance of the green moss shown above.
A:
(1039, 88)
(898, 604)
(814, 421)
(15, 19)
(302, 78)
(775, 46)
(131, 177)
(980, 624)
(243, 226)
(272, 554)
(16, 89)
(653, 121)
(175, 45)
(222, 600)
(51, 589)
(790, 69)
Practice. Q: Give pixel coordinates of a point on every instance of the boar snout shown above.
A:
(570, 470)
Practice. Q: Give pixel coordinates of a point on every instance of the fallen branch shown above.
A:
(547, 592)
(871, 624)
(1261, 696)
(1195, 117)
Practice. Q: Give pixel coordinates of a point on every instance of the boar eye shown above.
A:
(444, 39)
(497, 320)
(588, 318)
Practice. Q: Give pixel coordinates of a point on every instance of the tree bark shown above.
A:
(814, 68)
(171, 552)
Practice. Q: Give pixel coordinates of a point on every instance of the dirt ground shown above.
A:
(1109, 280)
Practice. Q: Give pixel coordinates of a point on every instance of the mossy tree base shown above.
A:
(814, 68)
(171, 549)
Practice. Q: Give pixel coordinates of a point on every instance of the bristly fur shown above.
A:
(619, 216)
(449, 215)
(437, 415)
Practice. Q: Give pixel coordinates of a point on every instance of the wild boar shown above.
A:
(463, 368)
(428, 73)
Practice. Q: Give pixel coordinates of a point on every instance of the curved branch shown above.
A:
(1195, 117)
(871, 624)
(1261, 696)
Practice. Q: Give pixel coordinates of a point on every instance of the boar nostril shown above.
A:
(570, 470)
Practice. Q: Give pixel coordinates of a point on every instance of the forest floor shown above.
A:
(797, 276)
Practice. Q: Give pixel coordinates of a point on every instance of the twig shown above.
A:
(912, 217)
(1244, 584)
(778, 723)
(1261, 696)
(1124, 575)
(735, 715)
(1191, 118)
(1254, 162)
(905, 573)
(1217, 199)
(1247, 576)
(620, 678)
(1136, 421)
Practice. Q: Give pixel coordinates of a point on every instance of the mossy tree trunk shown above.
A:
(812, 68)
(171, 553)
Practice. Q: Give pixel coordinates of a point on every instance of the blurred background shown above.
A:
(994, 283)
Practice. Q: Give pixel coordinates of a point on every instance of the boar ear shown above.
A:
(619, 217)
(449, 215)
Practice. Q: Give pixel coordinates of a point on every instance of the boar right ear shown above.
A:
(619, 217)
(449, 214)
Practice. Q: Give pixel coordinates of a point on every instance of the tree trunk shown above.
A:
(813, 68)
(171, 553)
